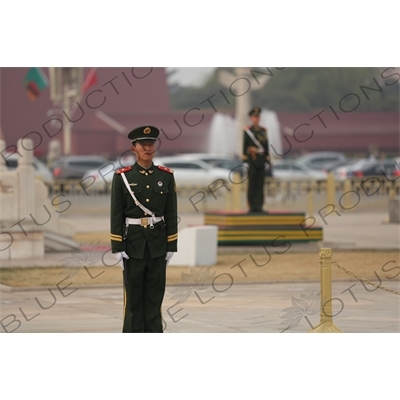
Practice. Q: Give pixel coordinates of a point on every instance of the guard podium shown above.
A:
(241, 228)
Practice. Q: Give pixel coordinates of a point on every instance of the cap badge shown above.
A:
(147, 130)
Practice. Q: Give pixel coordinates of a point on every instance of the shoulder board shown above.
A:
(166, 169)
(263, 127)
(119, 171)
(247, 127)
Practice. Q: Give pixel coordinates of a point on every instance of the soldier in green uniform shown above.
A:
(144, 231)
(256, 154)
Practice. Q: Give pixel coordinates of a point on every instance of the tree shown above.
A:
(299, 90)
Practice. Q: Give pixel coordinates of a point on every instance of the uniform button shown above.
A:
(147, 200)
(147, 186)
(146, 173)
(161, 192)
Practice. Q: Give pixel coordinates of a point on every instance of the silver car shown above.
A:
(321, 160)
(291, 170)
(100, 178)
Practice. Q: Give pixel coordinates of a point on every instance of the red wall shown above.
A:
(145, 100)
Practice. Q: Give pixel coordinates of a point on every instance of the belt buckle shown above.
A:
(144, 222)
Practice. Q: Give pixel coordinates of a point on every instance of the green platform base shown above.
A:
(272, 228)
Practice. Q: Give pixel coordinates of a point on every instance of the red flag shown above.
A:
(90, 80)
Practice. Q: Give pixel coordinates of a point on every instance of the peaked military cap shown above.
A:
(256, 111)
(144, 133)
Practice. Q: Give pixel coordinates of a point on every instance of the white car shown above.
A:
(210, 158)
(188, 171)
(217, 160)
(192, 172)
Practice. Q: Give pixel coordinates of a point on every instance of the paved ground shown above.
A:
(231, 307)
(352, 230)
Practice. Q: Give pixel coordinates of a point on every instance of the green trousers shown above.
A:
(255, 189)
(144, 288)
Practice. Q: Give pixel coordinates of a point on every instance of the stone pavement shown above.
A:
(352, 231)
(231, 307)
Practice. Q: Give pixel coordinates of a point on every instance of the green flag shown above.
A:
(35, 82)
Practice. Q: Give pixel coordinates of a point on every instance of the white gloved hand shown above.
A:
(120, 256)
(168, 257)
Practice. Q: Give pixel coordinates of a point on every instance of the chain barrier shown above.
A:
(364, 280)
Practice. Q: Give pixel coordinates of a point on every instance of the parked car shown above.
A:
(210, 158)
(291, 170)
(218, 160)
(321, 160)
(345, 171)
(232, 166)
(187, 172)
(338, 164)
(100, 178)
(74, 167)
(368, 168)
(192, 172)
(41, 170)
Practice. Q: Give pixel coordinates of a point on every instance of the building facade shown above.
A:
(120, 99)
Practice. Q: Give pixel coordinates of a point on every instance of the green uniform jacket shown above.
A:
(261, 135)
(155, 189)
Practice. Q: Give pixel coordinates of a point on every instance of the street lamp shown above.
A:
(65, 91)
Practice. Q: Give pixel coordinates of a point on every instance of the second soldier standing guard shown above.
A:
(144, 231)
(256, 153)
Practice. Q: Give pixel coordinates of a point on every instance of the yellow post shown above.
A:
(236, 192)
(392, 193)
(346, 198)
(330, 188)
(310, 198)
(326, 324)
(228, 200)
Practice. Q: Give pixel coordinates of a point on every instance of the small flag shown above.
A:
(90, 80)
(35, 82)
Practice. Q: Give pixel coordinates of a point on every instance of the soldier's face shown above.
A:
(144, 151)
(255, 120)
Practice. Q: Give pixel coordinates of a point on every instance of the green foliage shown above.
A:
(300, 90)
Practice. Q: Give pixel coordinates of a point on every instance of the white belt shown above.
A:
(143, 221)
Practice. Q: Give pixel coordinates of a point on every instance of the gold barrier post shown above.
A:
(236, 191)
(330, 189)
(392, 193)
(228, 200)
(326, 324)
(346, 198)
(310, 199)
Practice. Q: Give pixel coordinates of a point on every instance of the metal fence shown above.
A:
(356, 194)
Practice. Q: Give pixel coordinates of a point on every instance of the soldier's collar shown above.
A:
(143, 170)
